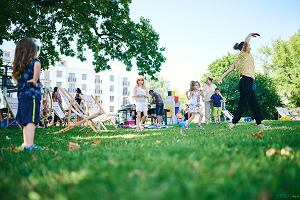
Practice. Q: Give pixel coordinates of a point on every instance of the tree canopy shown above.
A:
(71, 27)
(282, 61)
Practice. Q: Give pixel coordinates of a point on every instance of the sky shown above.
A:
(197, 32)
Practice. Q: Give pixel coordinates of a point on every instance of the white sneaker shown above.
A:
(231, 126)
(264, 127)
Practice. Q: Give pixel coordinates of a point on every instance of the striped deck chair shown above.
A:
(92, 106)
(12, 104)
(79, 113)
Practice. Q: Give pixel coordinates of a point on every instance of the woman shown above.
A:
(140, 94)
(244, 65)
(209, 90)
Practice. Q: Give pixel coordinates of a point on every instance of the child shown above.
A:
(140, 94)
(194, 95)
(216, 98)
(26, 72)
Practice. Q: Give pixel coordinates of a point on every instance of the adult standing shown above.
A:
(159, 109)
(209, 90)
(56, 98)
(244, 65)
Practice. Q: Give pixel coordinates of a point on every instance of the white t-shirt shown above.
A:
(209, 90)
(140, 91)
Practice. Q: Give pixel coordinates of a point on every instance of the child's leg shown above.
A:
(190, 119)
(24, 137)
(219, 119)
(29, 134)
(215, 119)
(200, 118)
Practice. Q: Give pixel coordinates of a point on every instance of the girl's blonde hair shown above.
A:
(26, 49)
(138, 79)
(192, 84)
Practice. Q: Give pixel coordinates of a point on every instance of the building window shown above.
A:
(111, 78)
(125, 101)
(111, 109)
(97, 79)
(125, 81)
(111, 98)
(47, 75)
(58, 74)
(71, 88)
(97, 98)
(111, 88)
(84, 87)
(125, 91)
(97, 89)
(71, 77)
(84, 77)
(58, 84)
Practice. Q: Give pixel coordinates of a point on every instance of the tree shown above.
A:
(71, 27)
(282, 61)
(159, 84)
(265, 88)
(218, 67)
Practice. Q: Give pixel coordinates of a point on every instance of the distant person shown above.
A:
(244, 65)
(56, 98)
(159, 109)
(140, 94)
(194, 94)
(209, 90)
(186, 112)
(26, 74)
(216, 99)
(78, 96)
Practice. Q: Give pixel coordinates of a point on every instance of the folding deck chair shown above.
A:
(74, 108)
(225, 112)
(284, 112)
(12, 104)
(92, 106)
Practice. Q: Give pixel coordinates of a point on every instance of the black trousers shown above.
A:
(247, 96)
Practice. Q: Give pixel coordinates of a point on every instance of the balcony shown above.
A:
(97, 81)
(126, 83)
(72, 79)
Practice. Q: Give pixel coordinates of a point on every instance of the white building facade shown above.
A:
(110, 88)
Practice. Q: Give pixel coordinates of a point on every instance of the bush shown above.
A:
(265, 92)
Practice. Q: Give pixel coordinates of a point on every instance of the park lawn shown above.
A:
(213, 163)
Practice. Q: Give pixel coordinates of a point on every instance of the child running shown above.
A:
(26, 72)
(194, 95)
(140, 94)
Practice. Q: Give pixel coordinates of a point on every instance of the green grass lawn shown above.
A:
(213, 163)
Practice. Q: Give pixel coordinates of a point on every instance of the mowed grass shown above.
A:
(213, 163)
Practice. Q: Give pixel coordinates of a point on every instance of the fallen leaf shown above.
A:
(73, 146)
(8, 138)
(271, 152)
(157, 142)
(97, 141)
(286, 151)
(257, 135)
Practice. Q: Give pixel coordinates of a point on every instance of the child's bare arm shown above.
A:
(36, 74)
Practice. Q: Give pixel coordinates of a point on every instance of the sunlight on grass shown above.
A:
(282, 128)
(125, 136)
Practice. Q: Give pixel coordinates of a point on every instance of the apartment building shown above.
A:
(110, 88)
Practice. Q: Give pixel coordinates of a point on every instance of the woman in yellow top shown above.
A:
(244, 65)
